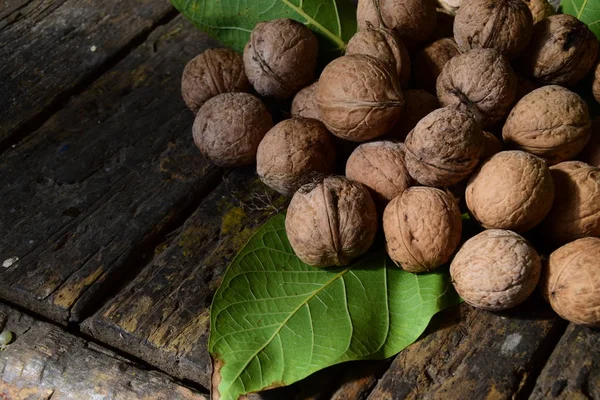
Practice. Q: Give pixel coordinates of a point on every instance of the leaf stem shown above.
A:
(336, 39)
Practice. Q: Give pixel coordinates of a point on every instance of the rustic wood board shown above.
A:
(45, 362)
(85, 195)
(50, 49)
(573, 370)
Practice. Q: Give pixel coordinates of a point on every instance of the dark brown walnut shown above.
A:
(359, 98)
(450, 6)
(331, 221)
(229, 127)
(492, 145)
(417, 105)
(305, 103)
(591, 151)
(480, 82)
(495, 270)
(291, 151)
(540, 9)
(444, 148)
(413, 20)
(571, 281)
(380, 167)
(280, 57)
(551, 122)
(385, 45)
(212, 72)
(562, 51)
(422, 229)
(576, 209)
(430, 62)
(511, 190)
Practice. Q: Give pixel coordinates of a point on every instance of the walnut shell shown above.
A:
(495, 270)
(591, 151)
(229, 127)
(358, 98)
(293, 149)
(380, 167)
(417, 105)
(551, 122)
(210, 73)
(280, 57)
(540, 9)
(511, 190)
(576, 209)
(562, 51)
(304, 104)
(571, 281)
(480, 82)
(331, 222)
(444, 148)
(492, 145)
(430, 62)
(449, 6)
(422, 229)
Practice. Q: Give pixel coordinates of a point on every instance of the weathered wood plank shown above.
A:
(101, 179)
(46, 362)
(573, 370)
(49, 48)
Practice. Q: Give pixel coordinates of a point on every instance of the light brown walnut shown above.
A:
(417, 105)
(304, 104)
(540, 9)
(430, 62)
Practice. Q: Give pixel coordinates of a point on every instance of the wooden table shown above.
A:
(123, 232)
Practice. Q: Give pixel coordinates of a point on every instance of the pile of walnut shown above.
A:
(418, 96)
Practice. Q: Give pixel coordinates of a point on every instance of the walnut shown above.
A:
(562, 51)
(331, 221)
(291, 150)
(450, 6)
(430, 62)
(358, 98)
(571, 281)
(444, 148)
(495, 270)
(280, 57)
(480, 82)
(380, 167)
(492, 145)
(422, 229)
(212, 72)
(551, 122)
(540, 9)
(229, 127)
(511, 190)
(591, 151)
(417, 105)
(305, 103)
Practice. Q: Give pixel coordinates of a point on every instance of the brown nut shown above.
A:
(591, 151)
(331, 222)
(380, 167)
(495, 270)
(229, 127)
(304, 104)
(540, 9)
(492, 145)
(358, 98)
(383, 44)
(422, 229)
(430, 62)
(417, 105)
(576, 209)
(444, 148)
(292, 150)
(571, 281)
(480, 82)
(511, 190)
(280, 57)
(562, 51)
(212, 72)
(551, 122)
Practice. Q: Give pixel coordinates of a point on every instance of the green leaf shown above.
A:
(231, 21)
(276, 320)
(587, 11)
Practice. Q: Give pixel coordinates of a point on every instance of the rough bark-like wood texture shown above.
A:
(48, 48)
(573, 370)
(44, 362)
(101, 179)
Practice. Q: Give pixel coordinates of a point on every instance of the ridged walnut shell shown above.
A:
(571, 281)
(576, 209)
(210, 73)
(293, 149)
(380, 167)
(280, 57)
(417, 105)
(331, 222)
(444, 148)
(591, 151)
(359, 98)
(551, 122)
(540, 9)
(430, 62)
(562, 51)
(480, 82)
(304, 104)
(229, 127)
(511, 190)
(495, 270)
(422, 229)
